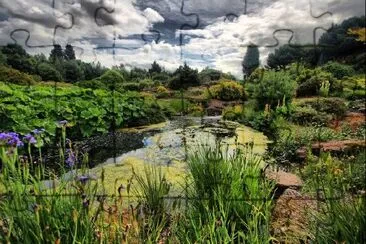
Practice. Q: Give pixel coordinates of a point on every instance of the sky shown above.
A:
(203, 33)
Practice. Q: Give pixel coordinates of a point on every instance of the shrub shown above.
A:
(333, 106)
(184, 77)
(273, 88)
(307, 115)
(14, 76)
(309, 82)
(111, 78)
(93, 84)
(162, 92)
(324, 89)
(338, 70)
(48, 72)
(227, 90)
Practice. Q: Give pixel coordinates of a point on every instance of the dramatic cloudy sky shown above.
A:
(215, 32)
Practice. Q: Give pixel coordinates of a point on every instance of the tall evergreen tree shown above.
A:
(69, 52)
(56, 53)
(251, 60)
(155, 68)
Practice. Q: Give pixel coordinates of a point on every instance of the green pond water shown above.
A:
(171, 142)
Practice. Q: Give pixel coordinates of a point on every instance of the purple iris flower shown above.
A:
(10, 139)
(71, 159)
(30, 139)
(38, 132)
(62, 122)
(83, 178)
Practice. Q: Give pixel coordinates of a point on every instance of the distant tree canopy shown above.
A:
(338, 42)
(56, 53)
(69, 52)
(184, 77)
(18, 58)
(48, 72)
(155, 68)
(251, 60)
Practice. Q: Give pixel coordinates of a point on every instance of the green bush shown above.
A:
(162, 92)
(306, 115)
(48, 72)
(332, 105)
(338, 70)
(310, 81)
(10, 75)
(227, 90)
(273, 88)
(93, 84)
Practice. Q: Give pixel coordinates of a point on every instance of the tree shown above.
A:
(184, 77)
(338, 43)
(69, 52)
(112, 78)
(284, 56)
(251, 60)
(48, 72)
(56, 53)
(73, 72)
(155, 68)
(2, 58)
(273, 88)
(18, 58)
(92, 70)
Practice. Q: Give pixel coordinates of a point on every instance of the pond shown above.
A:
(167, 145)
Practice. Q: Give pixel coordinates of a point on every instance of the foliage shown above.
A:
(10, 75)
(334, 179)
(155, 68)
(69, 52)
(207, 75)
(88, 112)
(111, 79)
(332, 105)
(72, 71)
(162, 92)
(283, 56)
(17, 58)
(310, 80)
(324, 89)
(338, 70)
(251, 60)
(184, 77)
(305, 115)
(273, 88)
(227, 90)
(338, 43)
(2, 58)
(359, 32)
(93, 84)
(92, 70)
(48, 72)
(56, 53)
(218, 211)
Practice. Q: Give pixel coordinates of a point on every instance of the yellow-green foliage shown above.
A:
(162, 92)
(227, 90)
(120, 174)
(14, 76)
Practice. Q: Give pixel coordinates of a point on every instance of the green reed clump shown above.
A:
(229, 199)
(340, 216)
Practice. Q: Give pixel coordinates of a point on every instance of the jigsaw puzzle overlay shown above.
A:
(202, 132)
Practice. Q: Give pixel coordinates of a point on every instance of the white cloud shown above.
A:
(153, 16)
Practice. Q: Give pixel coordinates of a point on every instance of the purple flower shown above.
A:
(10, 139)
(62, 122)
(38, 132)
(30, 139)
(83, 178)
(71, 159)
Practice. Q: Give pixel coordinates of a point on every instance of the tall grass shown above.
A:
(229, 200)
(340, 216)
